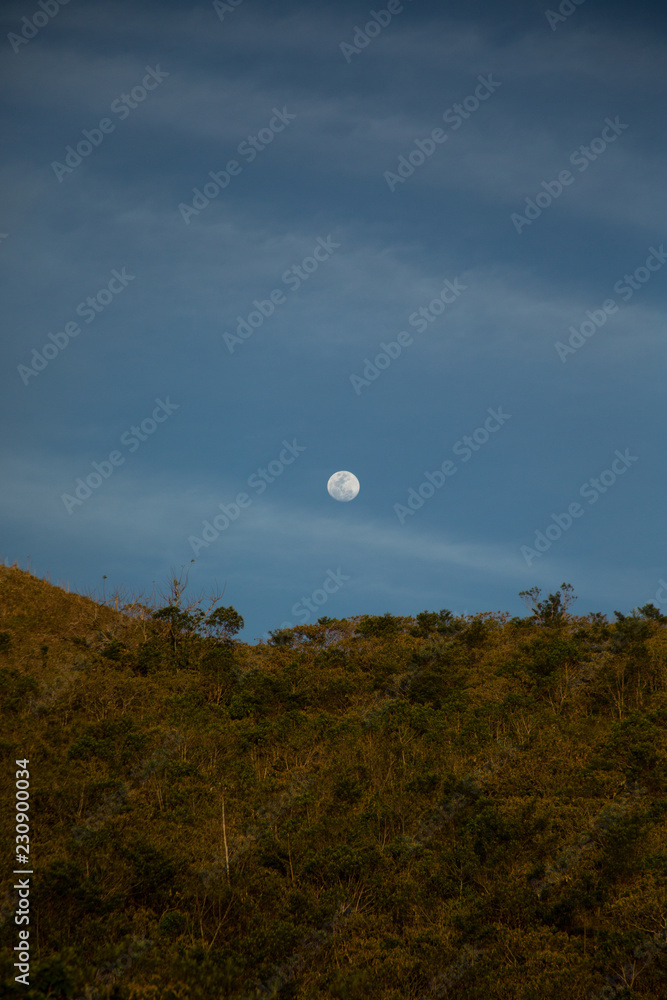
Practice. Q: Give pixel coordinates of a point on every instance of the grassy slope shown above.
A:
(429, 794)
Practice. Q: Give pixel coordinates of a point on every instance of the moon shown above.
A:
(343, 486)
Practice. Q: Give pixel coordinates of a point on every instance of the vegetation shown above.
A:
(389, 807)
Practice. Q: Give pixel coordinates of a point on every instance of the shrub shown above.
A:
(432, 623)
(553, 610)
(114, 650)
(281, 637)
(381, 626)
(15, 688)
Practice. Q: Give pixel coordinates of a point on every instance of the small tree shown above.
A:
(552, 610)
(281, 637)
(180, 622)
(650, 612)
(223, 624)
(192, 631)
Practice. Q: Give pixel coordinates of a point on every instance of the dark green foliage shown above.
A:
(350, 787)
(340, 862)
(281, 637)
(432, 623)
(51, 980)
(380, 625)
(223, 624)
(475, 634)
(519, 625)
(243, 705)
(345, 813)
(544, 655)
(487, 830)
(636, 741)
(153, 874)
(551, 611)
(64, 885)
(651, 613)
(149, 658)
(656, 863)
(434, 685)
(114, 650)
(189, 634)
(104, 740)
(631, 632)
(16, 689)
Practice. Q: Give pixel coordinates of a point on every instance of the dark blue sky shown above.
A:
(478, 187)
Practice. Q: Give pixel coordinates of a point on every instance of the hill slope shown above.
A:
(382, 807)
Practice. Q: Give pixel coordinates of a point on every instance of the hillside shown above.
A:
(382, 807)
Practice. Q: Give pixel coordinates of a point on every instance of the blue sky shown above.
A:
(356, 206)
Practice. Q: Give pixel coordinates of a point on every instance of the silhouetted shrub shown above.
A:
(381, 626)
(551, 611)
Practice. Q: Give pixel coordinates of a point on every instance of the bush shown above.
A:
(104, 740)
(155, 875)
(435, 623)
(15, 689)
(546, 655)
(637, 741)
(281, 637)
(381, 626)
(173, 924)
(149, 658)
(115, 650)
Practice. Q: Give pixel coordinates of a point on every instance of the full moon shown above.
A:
(343, 486)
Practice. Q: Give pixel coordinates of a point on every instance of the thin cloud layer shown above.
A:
(302, 295)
